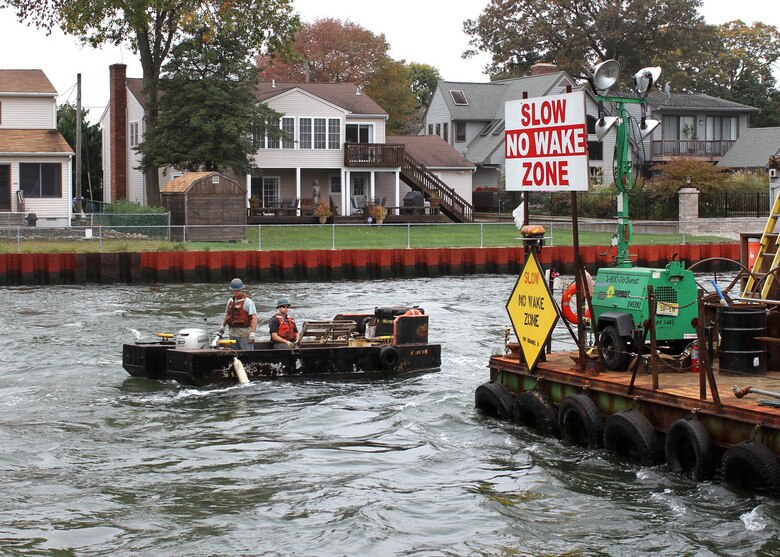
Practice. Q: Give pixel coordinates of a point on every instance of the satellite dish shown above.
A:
(645, 78)
(603, 125)
(647, 126)
(605, 75)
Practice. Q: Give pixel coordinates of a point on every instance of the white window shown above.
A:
(288, 127)
(133, 134)
(270, 191)
(335, 183)
(320, 133)
(334, 133)
(273, 142)
(305, 133)
(360, 133)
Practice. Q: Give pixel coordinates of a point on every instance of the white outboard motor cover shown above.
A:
(192, 339)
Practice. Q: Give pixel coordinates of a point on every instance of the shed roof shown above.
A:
(752, 149)
(345, 94)
(33, 141)
(182, 184)
(431, 150)
(25, 81)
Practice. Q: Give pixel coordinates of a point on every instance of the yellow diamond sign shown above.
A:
(532, 310)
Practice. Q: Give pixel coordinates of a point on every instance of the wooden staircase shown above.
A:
(419, 178)
(768, 258)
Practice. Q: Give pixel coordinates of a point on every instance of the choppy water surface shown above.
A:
(94, 462)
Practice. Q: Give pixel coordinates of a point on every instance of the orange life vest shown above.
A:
(286, 328)
(237, 315)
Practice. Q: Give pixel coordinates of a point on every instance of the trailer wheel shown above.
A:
(751, 465)
(614, 348)
(580, 421)
(630, 434)
(689, 450)
(532, 409)
(389, 358)
(494, 399)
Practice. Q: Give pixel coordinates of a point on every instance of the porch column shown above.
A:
(397, 191)
(372, 188)
(298, 187)
(248, 188)
(346, 208)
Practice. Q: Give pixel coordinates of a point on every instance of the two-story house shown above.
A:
(336, 141)
(35, 160)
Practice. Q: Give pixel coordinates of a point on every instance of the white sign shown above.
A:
(546, 144)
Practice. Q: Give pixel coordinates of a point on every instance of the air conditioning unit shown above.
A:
(773, 173)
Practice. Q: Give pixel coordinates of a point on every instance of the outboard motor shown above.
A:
(192, 339)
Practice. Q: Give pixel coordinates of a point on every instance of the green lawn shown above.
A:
(302, 237)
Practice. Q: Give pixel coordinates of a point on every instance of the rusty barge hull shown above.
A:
(678, 396)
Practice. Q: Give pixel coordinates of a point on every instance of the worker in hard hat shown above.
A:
(240, 316)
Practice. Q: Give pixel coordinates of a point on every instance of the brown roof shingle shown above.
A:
(431, 150)
(33, 141)
(342, 94)
(25, 81)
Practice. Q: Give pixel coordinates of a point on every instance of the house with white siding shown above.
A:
(35, 160)
(336, 141)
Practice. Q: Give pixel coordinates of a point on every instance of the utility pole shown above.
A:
(79, 208)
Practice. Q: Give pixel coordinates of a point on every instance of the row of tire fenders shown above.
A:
(687, 447)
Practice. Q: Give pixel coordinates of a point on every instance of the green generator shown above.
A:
(620, 309)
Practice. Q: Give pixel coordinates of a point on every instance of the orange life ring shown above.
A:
(566, 310)
(413, 311)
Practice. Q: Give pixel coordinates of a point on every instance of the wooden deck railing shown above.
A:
(373, 155)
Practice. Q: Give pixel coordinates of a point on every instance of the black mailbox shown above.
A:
(31, 219)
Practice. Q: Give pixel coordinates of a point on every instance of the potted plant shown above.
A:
(378, 213)
(254, 202)
(322, 210)
(434, 199)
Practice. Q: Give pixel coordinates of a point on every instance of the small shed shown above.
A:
(210, 205)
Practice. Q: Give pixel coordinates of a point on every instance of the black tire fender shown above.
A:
(494, 399)
(580, 422)
(689, 450)
(389, 358)
(630, 434)
(532, 409)
(751, 465)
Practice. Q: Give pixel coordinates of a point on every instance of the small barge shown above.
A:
(388, 342)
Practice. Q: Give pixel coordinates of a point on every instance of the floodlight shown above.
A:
(605, 75)
(603, 125)
(645, 78)
(647, 126)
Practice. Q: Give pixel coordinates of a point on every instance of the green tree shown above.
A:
(91, 150)
(577, 33)
(739, 66)
(391, 88)
(151, 27)
(424, 79)
(208, 108)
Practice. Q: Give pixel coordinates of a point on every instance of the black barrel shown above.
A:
(739, 351)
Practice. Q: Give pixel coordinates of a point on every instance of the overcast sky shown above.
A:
(426, 31)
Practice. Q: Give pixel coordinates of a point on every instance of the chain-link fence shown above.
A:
(136, 235)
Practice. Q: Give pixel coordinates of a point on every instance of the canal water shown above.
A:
(94, 462)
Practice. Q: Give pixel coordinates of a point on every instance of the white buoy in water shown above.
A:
(238, 367)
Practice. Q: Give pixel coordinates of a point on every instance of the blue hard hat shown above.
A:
(283, 302)
(236, 284)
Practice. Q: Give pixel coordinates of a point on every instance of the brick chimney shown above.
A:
(543, 68)
(118, 123)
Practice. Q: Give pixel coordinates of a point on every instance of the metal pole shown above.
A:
(408, 235)
(481, 235)
(333, 235)
(79, 208)
(578, 275)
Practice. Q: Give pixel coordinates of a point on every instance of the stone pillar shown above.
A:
(689, 210)
(118, 124)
